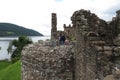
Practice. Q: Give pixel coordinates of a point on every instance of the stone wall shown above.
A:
(86, 54)
(54, 26)
(69, 31)
(41, 62)
(96, 47)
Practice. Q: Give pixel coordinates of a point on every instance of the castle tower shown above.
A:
(54, 26)
(84, 70)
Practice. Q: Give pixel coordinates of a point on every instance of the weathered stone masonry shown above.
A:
(54, 26)
(96, 49)
(47, 63)
(97, 52)
(96, 55)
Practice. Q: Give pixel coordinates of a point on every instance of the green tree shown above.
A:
(18, 44)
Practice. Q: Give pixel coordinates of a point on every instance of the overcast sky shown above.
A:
(36, 14)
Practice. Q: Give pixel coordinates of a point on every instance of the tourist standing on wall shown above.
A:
(62, 39)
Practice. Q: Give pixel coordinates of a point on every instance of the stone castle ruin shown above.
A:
(96, 55)
(69, 31)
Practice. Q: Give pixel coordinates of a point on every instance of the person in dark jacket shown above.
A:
(62, 39)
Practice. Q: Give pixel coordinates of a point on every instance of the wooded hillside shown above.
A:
(8, 29)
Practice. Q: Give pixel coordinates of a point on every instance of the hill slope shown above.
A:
(11, 72)
(8, 29)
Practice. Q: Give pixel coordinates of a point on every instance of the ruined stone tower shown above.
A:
(54, 26)
(83, 69)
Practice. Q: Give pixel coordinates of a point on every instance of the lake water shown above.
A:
(4, 42)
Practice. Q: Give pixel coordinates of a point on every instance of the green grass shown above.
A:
(11, 71)
(4, 64)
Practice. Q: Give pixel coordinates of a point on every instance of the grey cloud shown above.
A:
(46, 25)
(112, 10)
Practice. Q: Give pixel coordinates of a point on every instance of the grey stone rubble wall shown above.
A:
(86, 68)
(85, 55)
(107, 62)
(41, 62)
(54, 26)
(97, 52)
